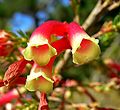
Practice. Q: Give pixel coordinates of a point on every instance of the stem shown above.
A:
(62, 62)
(62, 105)
(43, 103)
(94, 16)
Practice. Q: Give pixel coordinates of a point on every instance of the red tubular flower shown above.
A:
(112, 64)
(13, 94)
(39, 48)
(42, 50)
(40, 76)
(43, 103)
(16, 81)
(84, 48)
(44, 46)
(4, 36)
(6, 46)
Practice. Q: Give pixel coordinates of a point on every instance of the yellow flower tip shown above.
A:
(39, 80)
(43, 54)
(40, 52)
(87, 51)
(39, 84)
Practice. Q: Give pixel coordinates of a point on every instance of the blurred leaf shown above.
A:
(116, 22)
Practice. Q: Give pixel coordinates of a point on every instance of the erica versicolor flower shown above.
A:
(6, 46)
(84, 48)
(40, 77)
(39, 46)
(44, 46)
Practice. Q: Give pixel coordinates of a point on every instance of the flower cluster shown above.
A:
(47, 42)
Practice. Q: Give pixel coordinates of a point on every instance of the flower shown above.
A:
(6, 46)
(84, 48)
(39, 48)
(40, 77)
(4, 36)
(44, 46)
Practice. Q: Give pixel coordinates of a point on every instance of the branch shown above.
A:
(43, 103)
(114, 5)
(99, 10)
(85, 91)
(62, 62)
(107, 27)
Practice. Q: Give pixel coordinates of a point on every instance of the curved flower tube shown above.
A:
(39, 46)
(84, 48)
(40, 77)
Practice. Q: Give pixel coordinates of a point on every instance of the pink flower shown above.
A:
(45, 45)
(40, 77)
(39, 48)
(84, 48)
(6, 46)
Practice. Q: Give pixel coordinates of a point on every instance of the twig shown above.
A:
(43, 103)
(55, 99)
(107, 27)
(99, 10)
(75, 5)
(62, 62)
(114, 5)
(62, 106)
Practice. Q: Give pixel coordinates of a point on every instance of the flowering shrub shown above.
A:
(42, 49)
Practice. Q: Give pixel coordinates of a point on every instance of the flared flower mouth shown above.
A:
(87, 51)
(45, 44)
(39, 50)
(84, 48)
(39, 79)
